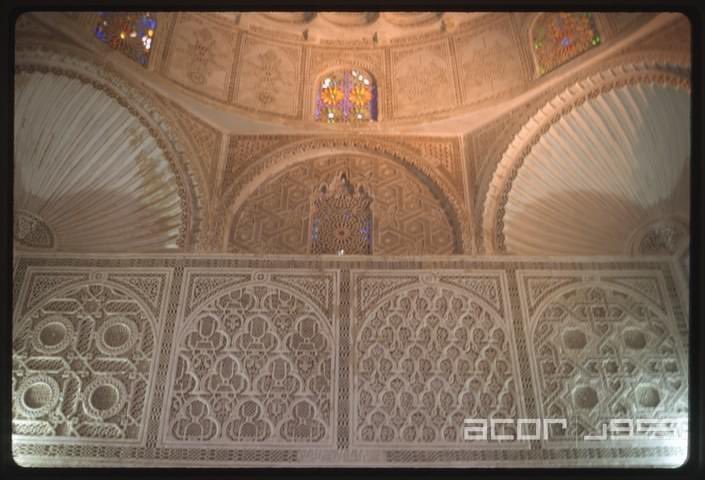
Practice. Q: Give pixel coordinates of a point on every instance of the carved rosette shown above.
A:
(32, 232)
(663, 237)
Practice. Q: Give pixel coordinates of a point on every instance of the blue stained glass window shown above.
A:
(131, 33)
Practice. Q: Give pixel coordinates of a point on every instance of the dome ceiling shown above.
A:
(613, 169)
(353, 26)
(608, 174)
(270, 65)
(427, 66)
(89, 176)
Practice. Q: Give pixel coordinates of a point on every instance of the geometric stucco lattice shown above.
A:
(445, 155)
(428, 354)
(407, 216)
(437, 166)
(600, 351)
(83, 359)
(205, 139)
(347, 349)
(253, 365)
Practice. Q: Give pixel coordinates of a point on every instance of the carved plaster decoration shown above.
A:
(489, 63)
(602, 347)
(84, 348)
(341, 218)
(340, 361)
(407, 217)
(422, 80)
(662, 237)
(239, 189)
(30, 231)
(253, 366)
(267, 78)
(205, 141)
(671, 45)
(205, 55)
(290, 17)
(201, 56)
(429, 352)
(604, 103)
(88, 99)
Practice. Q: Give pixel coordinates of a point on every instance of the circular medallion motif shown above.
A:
(104, 397)
(53, 334)
(117, 335)
(37, 396)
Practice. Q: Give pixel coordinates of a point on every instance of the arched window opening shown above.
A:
(129, 32)
(341, 219)
(561, 36)
(347, 96)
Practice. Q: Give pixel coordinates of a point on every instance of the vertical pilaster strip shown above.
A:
(344, 361)
(166, 344)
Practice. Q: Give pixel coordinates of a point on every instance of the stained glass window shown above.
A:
(129, 32)
(347, 96)
(341, 219)
(560, 37)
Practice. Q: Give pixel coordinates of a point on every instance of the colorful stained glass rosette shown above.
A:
(129, 32)
(560, 37)
(348, 96)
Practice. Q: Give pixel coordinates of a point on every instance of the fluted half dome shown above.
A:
(89, 176)
(614, 167)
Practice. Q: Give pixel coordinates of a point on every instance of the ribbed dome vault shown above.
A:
(604, 173)
(89, 176)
